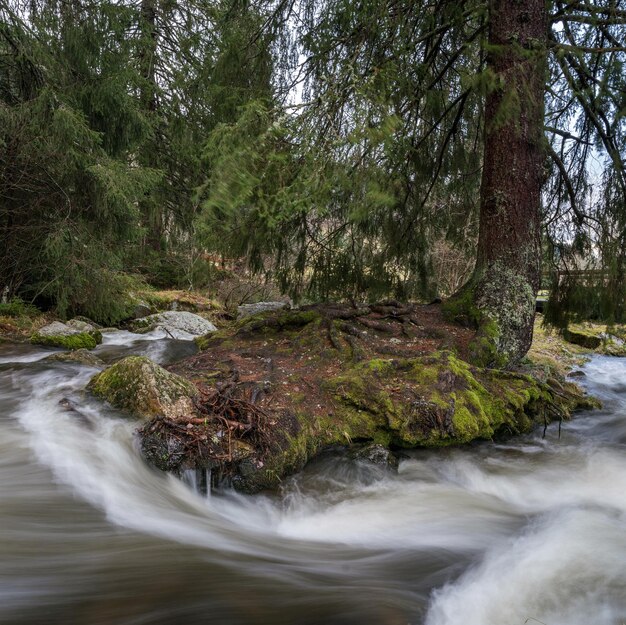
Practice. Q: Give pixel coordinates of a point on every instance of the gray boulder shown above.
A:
(178, 324)
(81, 325)
(57, 328)
(57, 334)
(248, 310)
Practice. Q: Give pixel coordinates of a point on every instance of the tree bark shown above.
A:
(500, 296)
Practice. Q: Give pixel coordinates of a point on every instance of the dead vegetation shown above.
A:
(228, 426)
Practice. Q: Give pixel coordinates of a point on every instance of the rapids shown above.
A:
(495, 534)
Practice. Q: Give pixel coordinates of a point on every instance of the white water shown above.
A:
(491, 535)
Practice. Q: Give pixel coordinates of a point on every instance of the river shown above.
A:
(497, 534)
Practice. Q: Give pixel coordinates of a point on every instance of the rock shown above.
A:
(57, 334)
(577, 374)
(582, 338)
(97, 326)
(56, 328)
(144, 389)
(176, 323)
(142, 309)
(375, 454)
(80, 325)
(248, 310)
(80, 356)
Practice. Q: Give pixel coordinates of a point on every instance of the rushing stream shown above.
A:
(496, 534)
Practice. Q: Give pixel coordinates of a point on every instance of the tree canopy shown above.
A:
(337, 145)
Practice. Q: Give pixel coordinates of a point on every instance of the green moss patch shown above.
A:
(81, 340)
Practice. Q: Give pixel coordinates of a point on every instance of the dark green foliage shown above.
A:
(69, 123)
(16, 307)
(339, 199)
(82, 340)
(333, 144)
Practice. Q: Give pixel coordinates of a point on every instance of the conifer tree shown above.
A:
(69, 125)
(419, 120)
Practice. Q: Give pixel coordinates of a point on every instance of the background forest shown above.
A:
(334, 146)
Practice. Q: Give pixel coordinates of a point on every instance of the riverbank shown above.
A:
(267, 393)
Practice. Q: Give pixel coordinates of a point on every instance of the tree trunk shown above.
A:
(500, 296)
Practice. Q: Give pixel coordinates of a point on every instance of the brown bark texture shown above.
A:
(507, 274)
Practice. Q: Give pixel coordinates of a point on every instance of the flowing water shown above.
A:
(496, 534)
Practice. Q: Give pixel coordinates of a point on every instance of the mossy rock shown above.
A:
(79, 340)
(582, 337)
(143, 389)
(327, 380)
(434, 401)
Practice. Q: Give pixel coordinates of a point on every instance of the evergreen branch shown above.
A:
(593, 117)
(565, 177)
(594, 9)
(566, 135)
(589, 49)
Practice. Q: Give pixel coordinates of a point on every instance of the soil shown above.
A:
(315, 346)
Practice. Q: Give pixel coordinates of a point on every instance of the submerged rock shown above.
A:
(174, 323)
(376, 454)
(80, 335)
(144, 389)
(80, 356)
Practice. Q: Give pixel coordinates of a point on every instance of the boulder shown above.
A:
(179, 324)
(141, 309)
(57, 334)
(143, 389)
(80, 356)
(91, 322)
(248, 310)
(81, 325)
(582, 337)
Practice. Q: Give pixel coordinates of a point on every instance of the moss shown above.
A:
(276, 321)
(461, 308)
(214, 338)
(500, 303)
(379, 366)
(82, 340)
(271, 321)
(433, 401)
(80, 356)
